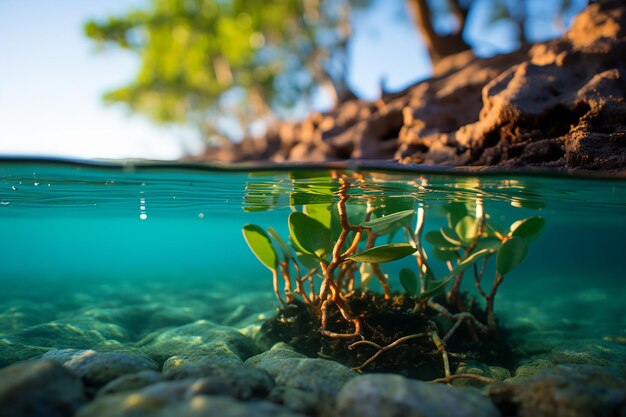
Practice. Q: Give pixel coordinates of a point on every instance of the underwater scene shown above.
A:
(151, 289)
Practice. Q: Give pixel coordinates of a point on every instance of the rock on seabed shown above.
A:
(96, 369)
(387, 395)
(565, 391)
(39, 389)
(201, 338)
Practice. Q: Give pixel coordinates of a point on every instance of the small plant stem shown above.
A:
(478, 276)
(300, 283)
(417, 241)
(329, 291)
(284, 269)
(328, 277)
(276, 290)
(450, 378)
(350, 272)
(454, 295)
(463, 316)
(451, 331)
(441, 348)
(378, 273)
(491, 319)
(380, 348)
(353, 246)
(422, 263)
(455, 292)
(342, 309)
(339, 279)
(309, 277)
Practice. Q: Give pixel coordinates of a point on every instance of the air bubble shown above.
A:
(201, 215)
(143, 216)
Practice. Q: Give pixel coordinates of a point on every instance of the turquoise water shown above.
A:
(79, 238)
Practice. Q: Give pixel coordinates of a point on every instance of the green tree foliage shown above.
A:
(203, 59)
(222, 65)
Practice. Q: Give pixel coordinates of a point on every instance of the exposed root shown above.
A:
(448, 379)
(380, 348)
(441, 348)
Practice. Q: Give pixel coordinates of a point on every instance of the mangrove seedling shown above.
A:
(332, 254)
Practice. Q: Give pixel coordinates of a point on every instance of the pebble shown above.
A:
(181, 399)
(96, 369)
(131, 382)
(532, 366)
(564, 391)
(201, 338)
(388, 395)
(39, 389)
(228, 378)
(294, 370)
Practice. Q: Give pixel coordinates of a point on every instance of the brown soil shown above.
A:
(558, 105)
(385, 321)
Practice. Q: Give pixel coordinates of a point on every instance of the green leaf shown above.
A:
(444, 255)
(261, 245)
(408, 281)
(320, 212)
(384, 253)
(528, 204)
(450, 235)
(284, 248)
(389, 219)
(527, 227)
(436, 239)
(386, 205)
(467, 229)
(299, 198)
(307, 261)
(456, 211)
(309, 235)
(312, 191)
(511, 254)
(491, 243)
(461, 267)
(356, 213)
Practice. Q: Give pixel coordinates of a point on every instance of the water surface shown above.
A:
(78, 238)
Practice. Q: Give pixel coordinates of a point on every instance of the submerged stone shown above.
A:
(39, 389)
(291, 369)
(180, 399)
(299, 400)
(96, 369)
(20, 314)
(12, 351)
(388, 395)
(228, 378)
(532, 366)
(564, 391)
(599, 354)
(131, 382)
(81, 333)
(201, 338)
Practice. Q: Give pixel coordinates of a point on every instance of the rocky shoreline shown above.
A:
(559, 105)
(142, 354)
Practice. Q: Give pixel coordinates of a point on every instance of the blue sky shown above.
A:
(52, 78)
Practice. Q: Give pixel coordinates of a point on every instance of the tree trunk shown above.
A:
(439, 46)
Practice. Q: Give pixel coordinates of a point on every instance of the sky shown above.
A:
(52, 79)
